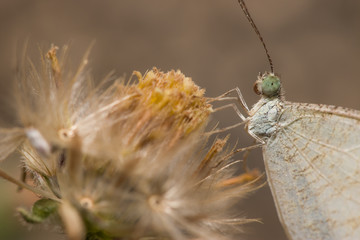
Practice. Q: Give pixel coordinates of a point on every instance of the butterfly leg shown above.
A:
(239, 97)
(236, 109)
(224, 129)
(256, 138)
(231, 105)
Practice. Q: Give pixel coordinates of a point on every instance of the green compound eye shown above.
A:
(270, 85)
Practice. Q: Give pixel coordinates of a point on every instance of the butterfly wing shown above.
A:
(313, 168)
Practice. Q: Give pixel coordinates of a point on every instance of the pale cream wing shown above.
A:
(313, 168)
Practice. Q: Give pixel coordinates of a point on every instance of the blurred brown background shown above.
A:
(315, 45)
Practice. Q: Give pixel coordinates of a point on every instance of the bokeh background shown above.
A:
(315, 46)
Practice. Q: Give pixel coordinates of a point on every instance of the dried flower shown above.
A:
(123, 161)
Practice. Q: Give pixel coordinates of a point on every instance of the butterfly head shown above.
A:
(268, 85)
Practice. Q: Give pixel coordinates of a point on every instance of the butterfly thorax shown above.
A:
(264, 115)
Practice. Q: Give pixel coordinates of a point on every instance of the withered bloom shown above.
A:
(123, 160)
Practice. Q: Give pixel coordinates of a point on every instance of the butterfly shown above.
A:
(312, 159)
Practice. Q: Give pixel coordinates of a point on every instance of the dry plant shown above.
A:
(122, 160)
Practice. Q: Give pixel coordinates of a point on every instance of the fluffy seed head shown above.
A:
(125, 160)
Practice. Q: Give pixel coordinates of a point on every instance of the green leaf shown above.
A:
(41, 210)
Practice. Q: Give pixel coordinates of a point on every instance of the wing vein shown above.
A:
(316, 169)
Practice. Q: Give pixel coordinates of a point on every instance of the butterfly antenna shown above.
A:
(251, 21)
